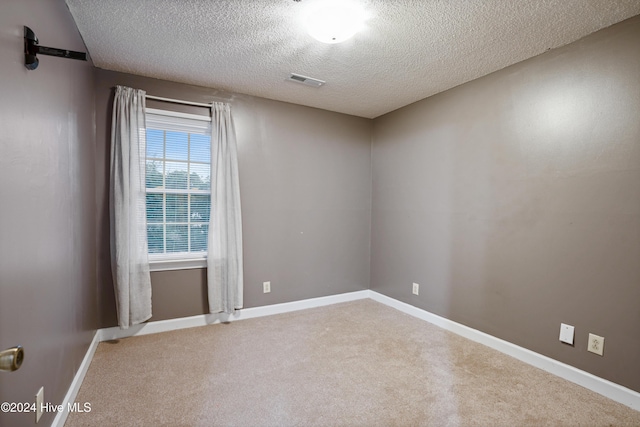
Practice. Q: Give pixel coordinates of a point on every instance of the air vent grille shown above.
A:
(309, 81)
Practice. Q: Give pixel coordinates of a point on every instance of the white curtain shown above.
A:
(129, 256)
(224, 259)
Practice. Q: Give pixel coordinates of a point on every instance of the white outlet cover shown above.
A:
(39, 401)
(566, 333)
(595, 344)
(266, 287)
(416, 289)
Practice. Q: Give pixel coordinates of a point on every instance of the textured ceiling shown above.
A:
(408, 50)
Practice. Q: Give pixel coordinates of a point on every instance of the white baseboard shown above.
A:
(210, 319)
(70, 397)
(601, 386)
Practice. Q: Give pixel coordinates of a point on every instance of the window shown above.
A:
(178, 186)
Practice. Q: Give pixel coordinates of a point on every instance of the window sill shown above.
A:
(177, 264)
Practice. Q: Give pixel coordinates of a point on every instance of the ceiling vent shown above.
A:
(309, 81)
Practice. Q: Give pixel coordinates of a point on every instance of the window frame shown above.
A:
(177, 260)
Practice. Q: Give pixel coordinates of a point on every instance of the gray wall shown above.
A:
(305, 178)
(514, 201)
(48, 300)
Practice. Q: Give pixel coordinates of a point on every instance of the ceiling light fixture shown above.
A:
(334, 21)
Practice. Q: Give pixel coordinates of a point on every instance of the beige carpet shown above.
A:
(354, 364)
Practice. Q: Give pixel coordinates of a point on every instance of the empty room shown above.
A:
(319, 213)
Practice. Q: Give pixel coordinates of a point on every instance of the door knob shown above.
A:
(11, 358)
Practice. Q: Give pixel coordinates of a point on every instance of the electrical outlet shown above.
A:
(566, 333)
(416, 288)
(266, 287)
(39, 401)
(596, 344)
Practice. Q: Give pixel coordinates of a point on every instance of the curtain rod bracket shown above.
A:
(32, 48)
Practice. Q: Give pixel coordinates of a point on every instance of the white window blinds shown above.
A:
(178, 184)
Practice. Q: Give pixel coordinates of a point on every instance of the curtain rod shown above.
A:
(178, 101)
